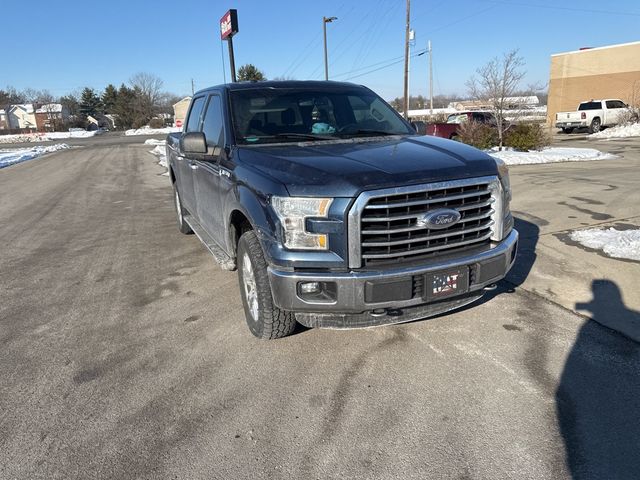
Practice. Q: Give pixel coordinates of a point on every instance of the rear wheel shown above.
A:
(264, 319)
(183, 226)
(567, 130)
(595, 126)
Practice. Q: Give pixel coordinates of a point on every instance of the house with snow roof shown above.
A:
(51, 116)
(22, 116)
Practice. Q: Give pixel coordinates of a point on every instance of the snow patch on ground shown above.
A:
(620, 131)
(160, 151)
(615, 243)
(13, 156)
(153, 141)
(550, 155)
(44, 137)
(153, 131)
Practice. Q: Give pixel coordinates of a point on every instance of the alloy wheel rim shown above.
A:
(250, 292)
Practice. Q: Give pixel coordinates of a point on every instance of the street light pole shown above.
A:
(326, 20)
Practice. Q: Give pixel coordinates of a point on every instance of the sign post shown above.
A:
(228, 28)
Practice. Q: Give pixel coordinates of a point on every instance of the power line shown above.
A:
(569, 9)
(417, 54)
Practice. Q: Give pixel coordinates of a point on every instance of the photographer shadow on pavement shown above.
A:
(598, 398)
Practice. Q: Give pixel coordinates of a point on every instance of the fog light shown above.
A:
(309, 287)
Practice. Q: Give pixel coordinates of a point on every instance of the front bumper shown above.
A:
(349, 306)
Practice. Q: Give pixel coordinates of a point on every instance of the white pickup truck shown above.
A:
(594, 114)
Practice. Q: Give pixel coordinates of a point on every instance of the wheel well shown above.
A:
(238, 224)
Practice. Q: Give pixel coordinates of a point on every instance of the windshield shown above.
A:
(268, 115)
(457, 118)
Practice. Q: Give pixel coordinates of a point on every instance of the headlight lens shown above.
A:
(292, 212)
(503, 173)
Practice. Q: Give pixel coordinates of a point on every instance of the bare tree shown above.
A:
(496, 85)
(149, 88)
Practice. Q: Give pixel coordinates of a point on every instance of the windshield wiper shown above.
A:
(363, 131)
(307, 136)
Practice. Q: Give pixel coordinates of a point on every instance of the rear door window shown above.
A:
(590, 106)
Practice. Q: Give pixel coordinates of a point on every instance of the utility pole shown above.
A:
(193, 88)
(406, 62)
(430, 80)
(411, 44)
(326, 20)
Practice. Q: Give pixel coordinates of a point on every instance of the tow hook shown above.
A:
(490, 288)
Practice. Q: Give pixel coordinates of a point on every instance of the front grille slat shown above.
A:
(389, 228)
(429, 201)
(431, 249)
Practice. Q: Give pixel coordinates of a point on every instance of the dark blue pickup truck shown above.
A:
(334, 211)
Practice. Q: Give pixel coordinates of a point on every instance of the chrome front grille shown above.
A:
(385, 222)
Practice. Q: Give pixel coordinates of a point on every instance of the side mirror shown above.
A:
(415, 127)
(194, 142)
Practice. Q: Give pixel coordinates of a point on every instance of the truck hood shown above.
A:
(346, 168)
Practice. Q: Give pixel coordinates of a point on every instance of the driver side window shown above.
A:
(212, 126)
(193, 123)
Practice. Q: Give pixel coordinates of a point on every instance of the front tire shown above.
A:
(264, 319)
(183, 226)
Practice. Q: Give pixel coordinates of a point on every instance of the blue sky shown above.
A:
(65, 45)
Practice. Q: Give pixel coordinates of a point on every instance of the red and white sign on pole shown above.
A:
(228, 28)
(229, 24)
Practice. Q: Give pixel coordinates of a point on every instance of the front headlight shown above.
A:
(292, 212)
(503, 174)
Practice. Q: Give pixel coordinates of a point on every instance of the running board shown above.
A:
(224, 260)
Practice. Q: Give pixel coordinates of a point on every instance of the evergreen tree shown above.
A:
(109, 98)
(90, 103)
(250, 73)
(124, 107)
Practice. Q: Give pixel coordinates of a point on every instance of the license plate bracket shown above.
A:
(447, 283)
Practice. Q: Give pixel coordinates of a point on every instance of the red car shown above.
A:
(450, 128)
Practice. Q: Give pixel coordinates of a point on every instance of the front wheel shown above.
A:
(264, 319)
(183, 226)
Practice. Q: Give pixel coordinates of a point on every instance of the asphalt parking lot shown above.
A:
(124, 354)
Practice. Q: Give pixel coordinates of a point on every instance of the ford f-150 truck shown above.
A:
(594, 114)
(334, 211)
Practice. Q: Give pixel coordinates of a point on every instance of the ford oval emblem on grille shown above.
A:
(442, 218)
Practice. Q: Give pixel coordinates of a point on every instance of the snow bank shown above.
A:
(161, 152)
(153, 141)
(615, 243)
(621, 131)
(10, 157)
(550, 155)
(153, 131)
(44, 137)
